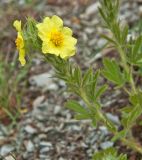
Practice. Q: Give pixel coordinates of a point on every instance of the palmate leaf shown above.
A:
(109, 154)
(113, 73)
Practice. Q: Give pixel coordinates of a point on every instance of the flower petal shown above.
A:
(57, 21)
(17, 25)
(67, 31)
(22, 57)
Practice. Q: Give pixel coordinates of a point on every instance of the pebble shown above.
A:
(29, 129)
(6, 149)
(92, 9)
(44, 81)
(47, 144)
(106, 144)
(29, 146)
(113, 118)
(38, 101)
(9, 157)
(57, 110)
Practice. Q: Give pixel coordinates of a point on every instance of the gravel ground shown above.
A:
(48, 131)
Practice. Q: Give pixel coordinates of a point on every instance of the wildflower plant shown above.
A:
(57, 44)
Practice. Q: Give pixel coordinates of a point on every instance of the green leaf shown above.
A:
(130, 115)
(89, 84)
(86, 77)
(75, 106)
(135, 52)
(100, 91)
(77, 75)
(112, 72)
(136, 99)
(137, 45)
(108, 39)
(109, 154)
(119, 135)
(82, 116)
(124, 34)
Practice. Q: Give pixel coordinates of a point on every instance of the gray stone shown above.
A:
(45, 144)
(57, 110)
(44, 81)
(93, 8)
(113, 118)
(6, 149)
(106, 144)
(29, 129)
(29, 146)
(9, 157)
(38, 101)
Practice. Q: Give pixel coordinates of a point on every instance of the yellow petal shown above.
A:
(57, 21)
(22, 57)
(70, 41)
(44, 47)
(68, 52)
(67, 31)
(46, 20)
(19, 41)
(17, 25)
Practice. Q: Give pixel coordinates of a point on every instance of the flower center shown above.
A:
(18, 42)
(57, 38)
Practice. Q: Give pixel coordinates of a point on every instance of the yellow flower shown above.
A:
(20, 42)
(56, 39)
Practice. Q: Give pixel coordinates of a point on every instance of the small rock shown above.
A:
(103, 130)
(106, 144)
(6, 149)
(93, 8)
(9, 157)
(45, 144)
(113, 118)
(29, 146)
(38, 101)
(57, 110)
(44, 81)
(30, 129)
(101, 43)
(45, 150)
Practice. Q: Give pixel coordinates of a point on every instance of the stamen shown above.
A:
(57, 38)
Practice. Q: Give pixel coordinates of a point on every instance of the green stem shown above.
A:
(126, 67)
(130, 143)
